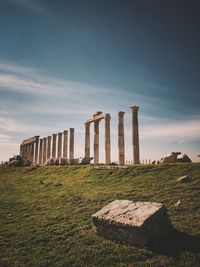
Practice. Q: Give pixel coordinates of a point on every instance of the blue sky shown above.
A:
(61, 61)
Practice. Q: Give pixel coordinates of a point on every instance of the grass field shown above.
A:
(45, 215)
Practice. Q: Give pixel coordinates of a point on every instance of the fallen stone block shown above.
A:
(135, 223)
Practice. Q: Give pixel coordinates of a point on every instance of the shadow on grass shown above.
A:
(175, 243)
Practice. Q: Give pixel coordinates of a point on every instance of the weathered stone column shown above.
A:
(87, 140)
(54, 146)
(32, 152)
(28, 151)
(44, 150)
(121, 138)
(107, 139)
(59, 145)
(21, 150)
(71, 144)
(96, 142)
(135, 135)
(40, 151)
(65, 144)
(48, 147)
(36, 148)
(25, 151)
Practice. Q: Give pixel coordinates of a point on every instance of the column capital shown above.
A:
(37, 137)
(134, 109)
(65, 131)
(54, 134)
(107, 116)
(59, 133)
(121, 113)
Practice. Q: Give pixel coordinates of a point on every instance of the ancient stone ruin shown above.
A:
(135, 223)
(50, 150)
(175, 157)
(53, 150)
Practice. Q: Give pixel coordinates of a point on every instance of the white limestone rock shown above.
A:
(136, 223)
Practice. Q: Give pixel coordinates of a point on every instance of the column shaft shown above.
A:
(135, 135)
(107, 139)
(87, 140)
(25, 151)
(32, 152)
(96, 142)
(54, 146)
(40, 152)
(36, 149)
(65, 144)
(121, 138)
(59, 145)
(71, 144)
(29, 151)
(44, 150)
(48, 147)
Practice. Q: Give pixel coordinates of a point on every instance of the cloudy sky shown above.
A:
(61, 61)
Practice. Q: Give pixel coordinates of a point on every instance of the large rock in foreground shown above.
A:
(136, 223)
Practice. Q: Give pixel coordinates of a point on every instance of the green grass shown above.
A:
(45, 215)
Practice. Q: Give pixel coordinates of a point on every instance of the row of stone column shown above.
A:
(135, 136)
(121, 141)
(40, 150)
(27, 151)
(55, 147)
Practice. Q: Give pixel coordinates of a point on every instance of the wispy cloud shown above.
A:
(37, 81)
(14, 126)
(173, 131)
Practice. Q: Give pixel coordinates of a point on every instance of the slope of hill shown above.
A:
(45, 215)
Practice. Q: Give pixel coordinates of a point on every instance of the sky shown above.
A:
(61, 61)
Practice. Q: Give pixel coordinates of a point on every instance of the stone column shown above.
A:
(44, 150)
(96, 142)
(40, 152)
(25, 151)
(71, 144)
(107, 139)
(59, 145)
(87, 140)
(32, 152)
(29, 151)
(36, 148)
(135, 135)
(48, 147)
(65, 144)
(121, 138)
(54, 146)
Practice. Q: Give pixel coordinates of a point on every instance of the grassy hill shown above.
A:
(45, 215)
